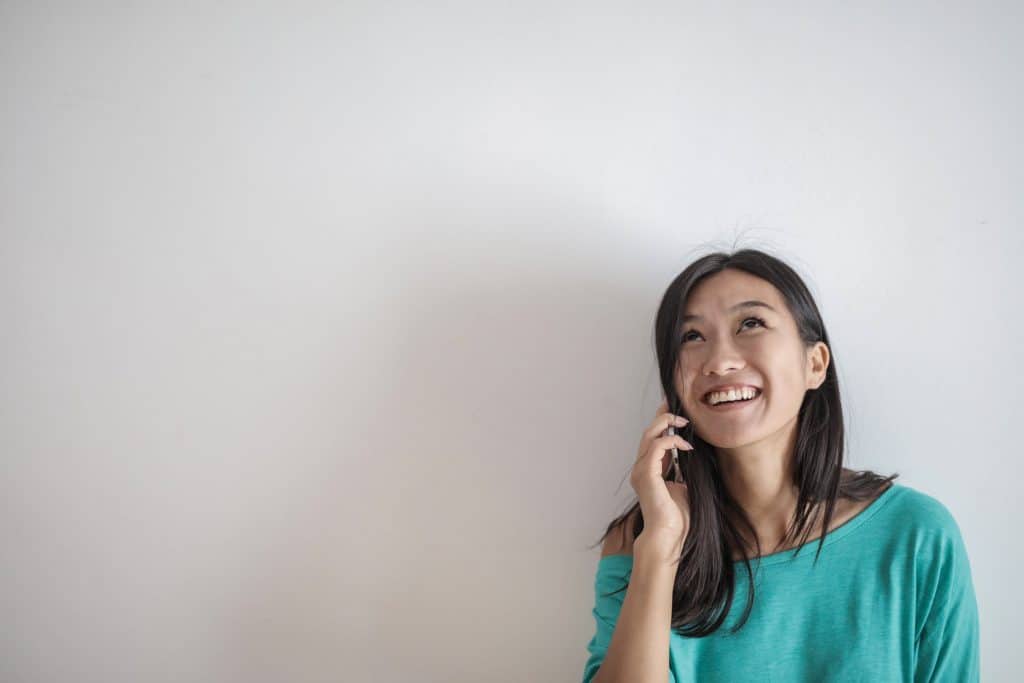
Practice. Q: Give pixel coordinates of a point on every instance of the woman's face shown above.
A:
(753, 345)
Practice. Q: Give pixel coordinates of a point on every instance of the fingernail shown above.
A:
(680, 420)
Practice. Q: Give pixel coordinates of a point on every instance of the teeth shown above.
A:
(717, 397)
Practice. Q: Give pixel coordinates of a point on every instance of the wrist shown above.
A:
(661, 547)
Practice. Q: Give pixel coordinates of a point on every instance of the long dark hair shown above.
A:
(705, 576)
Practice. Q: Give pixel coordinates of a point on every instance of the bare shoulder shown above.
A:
(620, 539)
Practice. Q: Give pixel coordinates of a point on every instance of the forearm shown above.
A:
(638, 650)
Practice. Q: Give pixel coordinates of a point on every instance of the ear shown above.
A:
(818, 358)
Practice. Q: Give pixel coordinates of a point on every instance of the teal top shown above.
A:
(891, 599)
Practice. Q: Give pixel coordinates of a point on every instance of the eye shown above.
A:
(759, 321)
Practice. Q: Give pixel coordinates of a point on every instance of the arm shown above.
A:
(632, 639)
(948, 647)
(639, 644)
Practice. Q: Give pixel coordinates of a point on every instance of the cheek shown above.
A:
(785, 391)
(684, 388)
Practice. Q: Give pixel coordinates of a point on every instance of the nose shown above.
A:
(722, 358)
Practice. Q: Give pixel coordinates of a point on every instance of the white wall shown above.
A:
(327, 328)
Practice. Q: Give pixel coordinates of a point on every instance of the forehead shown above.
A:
(717, 293)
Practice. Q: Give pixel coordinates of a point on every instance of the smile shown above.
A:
(730, 406)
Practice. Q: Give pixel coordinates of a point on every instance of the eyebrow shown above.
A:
(741, 305)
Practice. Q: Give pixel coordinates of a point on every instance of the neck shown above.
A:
(759, 476)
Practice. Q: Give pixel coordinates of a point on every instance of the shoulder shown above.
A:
(924, 513)
(929, 528)
(619, 540)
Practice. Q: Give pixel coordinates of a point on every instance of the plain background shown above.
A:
(326, 328)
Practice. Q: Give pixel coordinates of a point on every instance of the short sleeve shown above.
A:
(613, 572)
(948, 642)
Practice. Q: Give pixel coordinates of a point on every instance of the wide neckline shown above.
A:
(840, 532)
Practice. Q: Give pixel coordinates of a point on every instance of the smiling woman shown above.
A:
(746, 364)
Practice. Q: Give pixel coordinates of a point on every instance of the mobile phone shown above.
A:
(675, 472)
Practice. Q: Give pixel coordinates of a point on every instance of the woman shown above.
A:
(887, 595)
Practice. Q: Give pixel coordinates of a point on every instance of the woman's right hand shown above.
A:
(665, 505)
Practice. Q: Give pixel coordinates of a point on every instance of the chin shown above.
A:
(733, 444)
(729, 441)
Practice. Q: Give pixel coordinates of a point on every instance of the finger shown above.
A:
(660, 458)
(660, 446)
(659, 428)
(663, 422)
